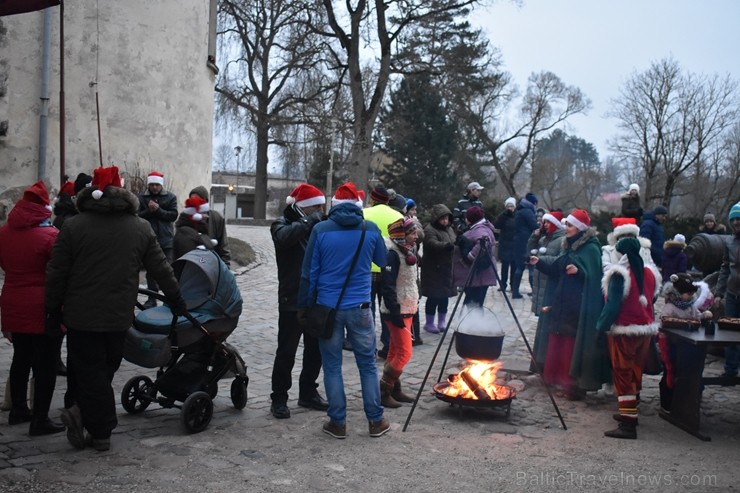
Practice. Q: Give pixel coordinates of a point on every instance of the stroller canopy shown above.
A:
(207, 285)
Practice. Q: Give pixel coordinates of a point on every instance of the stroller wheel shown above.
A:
(197, 411)
(239, 393)
(135, 396)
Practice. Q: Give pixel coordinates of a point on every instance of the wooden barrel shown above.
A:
(705, 252)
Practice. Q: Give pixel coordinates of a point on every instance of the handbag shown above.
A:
(321, 318)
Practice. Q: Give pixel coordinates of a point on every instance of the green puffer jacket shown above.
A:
(93, 274)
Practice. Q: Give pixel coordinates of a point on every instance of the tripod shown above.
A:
(485, 249)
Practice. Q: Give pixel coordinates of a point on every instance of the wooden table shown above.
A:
(691, 351)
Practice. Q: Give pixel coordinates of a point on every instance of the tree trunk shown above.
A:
(362, 150)
(260, 184)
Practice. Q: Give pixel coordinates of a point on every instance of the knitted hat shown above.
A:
(510, 201)
(631, 248)
(682, 283)
(474, 185)
(379, 194)
(68, 188)
(532, 198)
(396, 230)
(660, 210)
(635, 187)
(410, 204)
(709, 217)
(625, 226)
(305, 195)
(201, 192)
(679, 238)
(580, 219)
(155, 177)
(398, 202)
(195, 207)
(104, 177)
(734, 212)
(81, 182)
(474, 214)
(553, 219)
(38, 194)
(346, 193)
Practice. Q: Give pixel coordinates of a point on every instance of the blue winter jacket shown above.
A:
(525, 220)
(329, 254)
(653, 231)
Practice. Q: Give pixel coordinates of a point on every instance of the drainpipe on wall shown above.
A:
(44, 116)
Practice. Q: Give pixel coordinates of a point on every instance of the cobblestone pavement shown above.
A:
(444, 447)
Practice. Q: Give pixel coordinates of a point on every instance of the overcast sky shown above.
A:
(598, 44)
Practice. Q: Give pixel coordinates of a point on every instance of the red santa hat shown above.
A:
(68, 188)
(38, 194)
(305, 195)
(195, 206)
(155, 177)
(102, 178)
(346, 193)
(625, 226)
(580, 219)
(555, 220)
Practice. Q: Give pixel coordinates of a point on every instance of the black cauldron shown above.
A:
(476, 347)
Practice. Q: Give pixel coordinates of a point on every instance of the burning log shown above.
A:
(479, 392)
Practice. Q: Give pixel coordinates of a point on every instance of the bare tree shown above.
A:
(268, 48)
(377, 24)
(223, 157)
(670, 122)
(547, 103)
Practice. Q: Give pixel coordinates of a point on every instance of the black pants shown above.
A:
(385, 335)
(508, 270)
(475, 295)
(92, 360)
(289, 335)
(433, 304)
(151, 283)
(39, 352)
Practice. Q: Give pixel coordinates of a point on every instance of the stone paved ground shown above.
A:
(444, 448)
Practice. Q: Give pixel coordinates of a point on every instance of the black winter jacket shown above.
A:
(290, 235)
(163, 219)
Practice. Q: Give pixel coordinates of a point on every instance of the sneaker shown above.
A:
(280, 411)
(72, 419)
(99, 444)
(379, 428)
(335, 429)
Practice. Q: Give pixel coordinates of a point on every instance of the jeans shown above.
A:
(732, 353)
(289, 335)
(361, 334)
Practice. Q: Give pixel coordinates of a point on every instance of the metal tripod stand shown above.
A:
(485, 249)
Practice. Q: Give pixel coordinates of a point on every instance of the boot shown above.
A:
(621, 417)
(441, 322)
(429, 325)
(18, 415)
(386, 399)
(398, 395)
(625, 429)
(44, 426)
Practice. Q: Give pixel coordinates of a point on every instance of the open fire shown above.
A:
(476, 381)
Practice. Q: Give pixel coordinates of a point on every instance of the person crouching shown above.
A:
(400, 296)
(630, 289)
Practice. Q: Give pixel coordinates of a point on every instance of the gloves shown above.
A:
(396, 319)
(53, 324)
(314, 217)
(459, 240)
(449, 247)
(302, 318)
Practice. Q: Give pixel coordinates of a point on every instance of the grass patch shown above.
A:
(242, 253)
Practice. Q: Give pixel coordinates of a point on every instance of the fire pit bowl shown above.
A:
(477, 347)
(504, 401)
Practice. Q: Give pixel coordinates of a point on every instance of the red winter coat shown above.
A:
(26, 241)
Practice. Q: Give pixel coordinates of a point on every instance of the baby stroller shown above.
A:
(190, 351)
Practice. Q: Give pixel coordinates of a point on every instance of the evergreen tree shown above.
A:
(421, 141)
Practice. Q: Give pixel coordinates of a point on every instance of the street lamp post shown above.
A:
(237, 150)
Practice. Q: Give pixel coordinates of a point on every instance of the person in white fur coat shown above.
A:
(624, 227)
(630, 287)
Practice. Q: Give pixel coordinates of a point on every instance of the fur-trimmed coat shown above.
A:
(627, 311)
(590, 363)
(610, 255)
(674, 258)
(436, 266)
